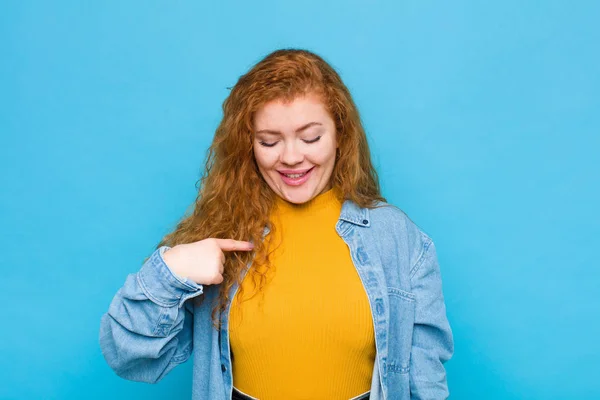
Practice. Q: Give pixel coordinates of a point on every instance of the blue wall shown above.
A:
(484, 124)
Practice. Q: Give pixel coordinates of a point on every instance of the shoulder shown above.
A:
(393, 217)
(391, 224)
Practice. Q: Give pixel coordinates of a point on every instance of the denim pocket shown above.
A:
(402, 317)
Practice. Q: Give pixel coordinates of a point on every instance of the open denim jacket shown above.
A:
(150, 327)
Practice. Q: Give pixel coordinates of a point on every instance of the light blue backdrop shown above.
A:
(483, 121)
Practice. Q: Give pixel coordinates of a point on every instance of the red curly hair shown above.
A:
(234, 201)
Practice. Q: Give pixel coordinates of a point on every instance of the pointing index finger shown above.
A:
(234, 245)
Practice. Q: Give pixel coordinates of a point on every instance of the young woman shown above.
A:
(292, 278)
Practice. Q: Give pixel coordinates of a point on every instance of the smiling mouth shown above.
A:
(296, 176)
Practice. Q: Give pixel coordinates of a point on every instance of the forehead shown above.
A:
(300, 110)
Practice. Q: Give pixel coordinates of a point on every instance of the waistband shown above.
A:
(239, 395)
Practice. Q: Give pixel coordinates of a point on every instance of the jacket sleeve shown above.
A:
(432, 343)
(147, 330)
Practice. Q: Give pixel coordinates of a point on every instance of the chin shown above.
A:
(301, 196)
(299, 200)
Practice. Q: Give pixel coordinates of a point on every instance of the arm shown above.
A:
(147, 330)
(433, 343)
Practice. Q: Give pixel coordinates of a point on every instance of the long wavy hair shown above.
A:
(234, 201)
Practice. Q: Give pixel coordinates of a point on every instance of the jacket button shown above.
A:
(223, 367)
(365, 221)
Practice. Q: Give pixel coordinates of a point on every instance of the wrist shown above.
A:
(170, 259)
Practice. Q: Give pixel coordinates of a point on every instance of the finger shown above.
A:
(218, 279)
(221, 269)
(234, 245)
(222, 258)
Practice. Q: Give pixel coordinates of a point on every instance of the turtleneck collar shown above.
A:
(327, 199)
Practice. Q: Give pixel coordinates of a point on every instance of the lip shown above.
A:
(294, 171)
(296, 181)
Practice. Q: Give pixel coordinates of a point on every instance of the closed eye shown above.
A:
(274, 143)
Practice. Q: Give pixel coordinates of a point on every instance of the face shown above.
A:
(294, 146)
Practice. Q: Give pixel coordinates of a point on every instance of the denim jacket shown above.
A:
(150, 327)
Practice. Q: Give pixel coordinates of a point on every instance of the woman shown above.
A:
(292, 278)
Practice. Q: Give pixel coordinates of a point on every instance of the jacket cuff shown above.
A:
(163, 286)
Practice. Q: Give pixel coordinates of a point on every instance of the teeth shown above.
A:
(295, 175)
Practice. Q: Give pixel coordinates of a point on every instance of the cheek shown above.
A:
(264, 159)
(324, 154)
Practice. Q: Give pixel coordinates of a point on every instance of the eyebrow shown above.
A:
(303, 127)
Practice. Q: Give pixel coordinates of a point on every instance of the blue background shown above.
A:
(484, 125)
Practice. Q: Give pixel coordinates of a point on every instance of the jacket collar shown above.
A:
(355, 214)
(351, 212)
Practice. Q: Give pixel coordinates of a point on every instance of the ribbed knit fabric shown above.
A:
(311, 336)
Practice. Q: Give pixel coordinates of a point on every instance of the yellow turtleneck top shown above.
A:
(309, 333)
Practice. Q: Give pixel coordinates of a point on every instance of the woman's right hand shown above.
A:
(202, 261)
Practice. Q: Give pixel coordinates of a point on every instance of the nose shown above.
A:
(290, 154)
